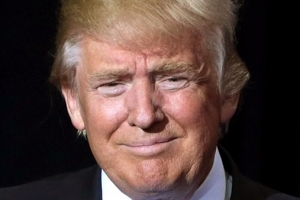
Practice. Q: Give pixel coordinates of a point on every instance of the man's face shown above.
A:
(152, 117)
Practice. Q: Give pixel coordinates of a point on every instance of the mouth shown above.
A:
(150, 148)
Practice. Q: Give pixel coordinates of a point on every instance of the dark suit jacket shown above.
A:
(85, 184)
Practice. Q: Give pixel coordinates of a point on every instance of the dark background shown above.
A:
(38, 140)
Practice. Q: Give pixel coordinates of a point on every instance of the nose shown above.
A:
(144, 105)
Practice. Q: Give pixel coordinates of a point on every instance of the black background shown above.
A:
(38, 140)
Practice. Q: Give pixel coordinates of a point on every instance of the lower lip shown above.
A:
(149, 150)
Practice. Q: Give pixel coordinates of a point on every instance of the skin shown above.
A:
(152, 117)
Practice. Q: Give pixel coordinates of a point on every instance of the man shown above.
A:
(150, 84)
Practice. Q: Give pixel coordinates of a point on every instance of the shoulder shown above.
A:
(71, 185)
(281, 196)
(245, 188)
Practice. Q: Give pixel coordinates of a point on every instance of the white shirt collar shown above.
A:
(110, 190)
(213, 187)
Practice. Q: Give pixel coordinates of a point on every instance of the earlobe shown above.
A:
(229, 106)
(73, 107)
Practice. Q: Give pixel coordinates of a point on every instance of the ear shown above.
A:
(73, 108)
(229, 106)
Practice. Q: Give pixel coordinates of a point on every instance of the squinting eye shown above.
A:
(176, 79)
(173, 83)
(111, 89)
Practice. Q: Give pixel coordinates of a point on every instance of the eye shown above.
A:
(173, 83)
(176, 79)
(111, 89)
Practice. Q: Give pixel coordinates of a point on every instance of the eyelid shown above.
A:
(110, 83)
(178, 83)
(184, 75)
(111, 89)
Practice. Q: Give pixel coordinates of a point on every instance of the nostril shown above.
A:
(145, 118)
(141, 117)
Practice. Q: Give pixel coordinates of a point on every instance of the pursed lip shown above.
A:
(149, 147)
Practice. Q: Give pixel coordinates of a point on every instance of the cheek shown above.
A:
(194, 109)
(102, 118)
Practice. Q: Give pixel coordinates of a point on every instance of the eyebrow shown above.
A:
(170, 68)
(198, 73)
(108, 74)
(159, 69)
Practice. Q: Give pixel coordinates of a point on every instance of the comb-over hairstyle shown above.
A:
(140, 24)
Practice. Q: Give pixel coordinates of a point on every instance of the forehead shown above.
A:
(95, 51)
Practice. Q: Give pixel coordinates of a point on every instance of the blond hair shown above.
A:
(150, 23)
